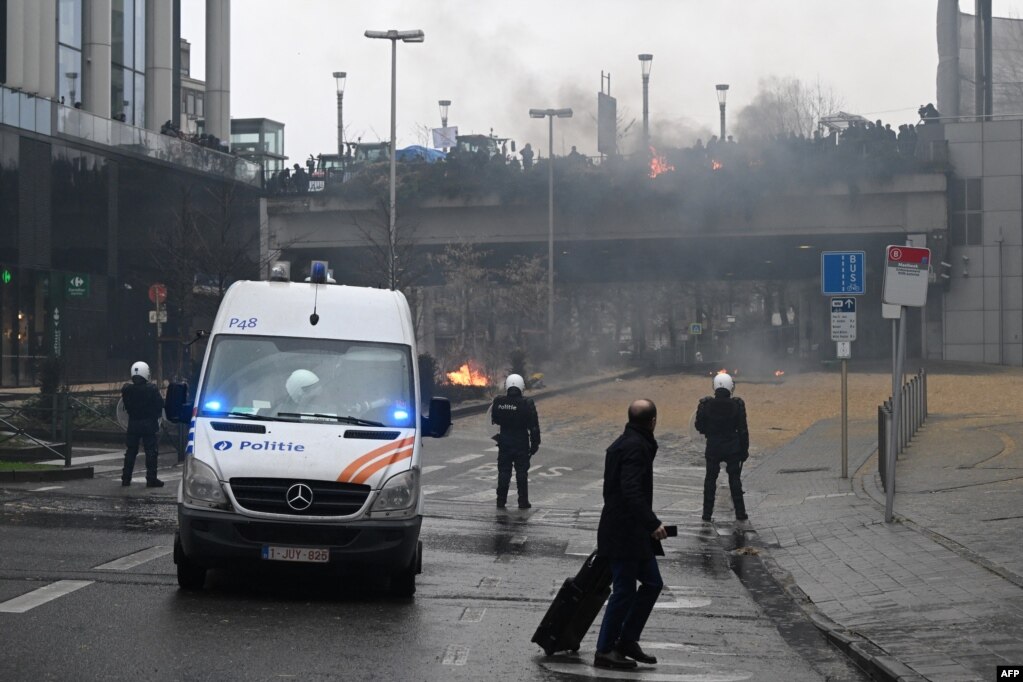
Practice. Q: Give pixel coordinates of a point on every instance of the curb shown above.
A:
(480, 408)
(868, 656)
(65, 474)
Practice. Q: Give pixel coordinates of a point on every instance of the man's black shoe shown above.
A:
(612, 659)
(741, 517)
(524, 505)
(154, 483)
(125, 483)
(705, 517)
(632, 650)
(501, 505)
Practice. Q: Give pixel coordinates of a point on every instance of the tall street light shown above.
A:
(415, 36)
(444, 105)
(645, 62)
(722, 90)
(550, 114)
(339, 79)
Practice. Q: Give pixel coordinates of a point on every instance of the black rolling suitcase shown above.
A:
(575, 607)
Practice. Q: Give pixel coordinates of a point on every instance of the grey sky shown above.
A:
(495, 60)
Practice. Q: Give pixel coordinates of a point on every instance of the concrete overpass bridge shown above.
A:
(767, 237)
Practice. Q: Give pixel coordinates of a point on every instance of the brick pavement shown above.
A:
(936, 595)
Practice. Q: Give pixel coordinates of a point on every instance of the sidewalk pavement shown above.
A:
(938, 593)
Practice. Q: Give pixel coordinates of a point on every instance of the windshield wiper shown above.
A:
(242, 415)
(335, 417)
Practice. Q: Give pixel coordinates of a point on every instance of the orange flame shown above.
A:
(467, 376)
(658, 164)
(716, 165)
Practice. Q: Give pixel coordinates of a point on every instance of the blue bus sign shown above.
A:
(843, 273)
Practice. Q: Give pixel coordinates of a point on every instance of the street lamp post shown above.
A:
(444, 105)
(414, 36)
(645, 62)
(339, 79)
(550, 114)
(722, 90)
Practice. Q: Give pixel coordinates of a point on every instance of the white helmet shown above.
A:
(723, 380)
(514, 381)
(140, 369)
(299, 381)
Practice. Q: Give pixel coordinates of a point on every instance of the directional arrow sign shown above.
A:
(843, 318)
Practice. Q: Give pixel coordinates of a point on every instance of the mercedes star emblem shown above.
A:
(299, 497)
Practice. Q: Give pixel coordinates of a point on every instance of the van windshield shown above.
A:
(323, 380)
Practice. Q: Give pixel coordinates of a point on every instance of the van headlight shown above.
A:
(399, 495)
(200, 485)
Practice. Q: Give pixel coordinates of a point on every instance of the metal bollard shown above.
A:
(882, 444)
(66, 425)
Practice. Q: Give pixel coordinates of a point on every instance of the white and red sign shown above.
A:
(905, 275)
(158, 293)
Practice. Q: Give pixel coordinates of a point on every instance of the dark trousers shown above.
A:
(506, 460)
(628, 608)
(149, 443)
(733, 465)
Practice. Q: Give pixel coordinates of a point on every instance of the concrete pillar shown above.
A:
(159, 63)
(218, 68)
(30, 53)
(96, 52)
(15, 43)
(47, 48)
(948, 57)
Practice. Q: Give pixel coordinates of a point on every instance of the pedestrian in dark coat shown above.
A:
(722, 419)
(144, 405)
(629, 537)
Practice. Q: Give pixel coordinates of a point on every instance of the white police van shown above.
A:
(304, 437)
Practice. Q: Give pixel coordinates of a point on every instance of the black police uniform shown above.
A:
(518, 440)
(143, 404)
(722, 419)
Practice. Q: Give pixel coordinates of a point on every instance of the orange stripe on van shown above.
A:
(376, 466)
(350, 470)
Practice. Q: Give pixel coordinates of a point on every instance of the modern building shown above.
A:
(96, 206)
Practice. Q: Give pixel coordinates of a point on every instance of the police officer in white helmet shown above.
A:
(144, 405)
(518, 440)
(722, 419)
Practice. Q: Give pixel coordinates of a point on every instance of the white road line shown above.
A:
(136, 559)
(433, 467)
(49, 487)
(171, 476)
(455, 655)
(580, 547)
(481, 496)
(818, 497)
(472, 615)
(464, 458)
(493, 449)
(87, 460)
(104, 468)
(434, 489)
(490, 582)
(518, 541)
(42, 595)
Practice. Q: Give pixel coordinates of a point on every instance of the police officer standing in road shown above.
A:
(722, 419)
(143, 403)
(518, 440)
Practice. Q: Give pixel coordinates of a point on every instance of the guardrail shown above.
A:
(914, 412)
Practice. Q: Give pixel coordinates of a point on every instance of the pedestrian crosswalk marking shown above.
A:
(136, 559)
(481, 496)
(49, 487)
(433, 467)
(44, 594)
(472, 614)
(175, 476)
(434, 489)
(464, 458)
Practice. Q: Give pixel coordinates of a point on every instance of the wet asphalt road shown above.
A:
(488, 579)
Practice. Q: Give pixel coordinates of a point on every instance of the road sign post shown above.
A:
(158, 294)
(844, 275)
(905, 284)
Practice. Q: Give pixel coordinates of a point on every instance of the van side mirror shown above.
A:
(175, 404)
(438, 423)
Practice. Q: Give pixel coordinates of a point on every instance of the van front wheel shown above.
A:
(191, 576)
(403, 584)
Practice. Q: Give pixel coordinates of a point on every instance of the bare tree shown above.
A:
(786, 105)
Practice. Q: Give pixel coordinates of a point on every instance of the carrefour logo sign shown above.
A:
(274, 445)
